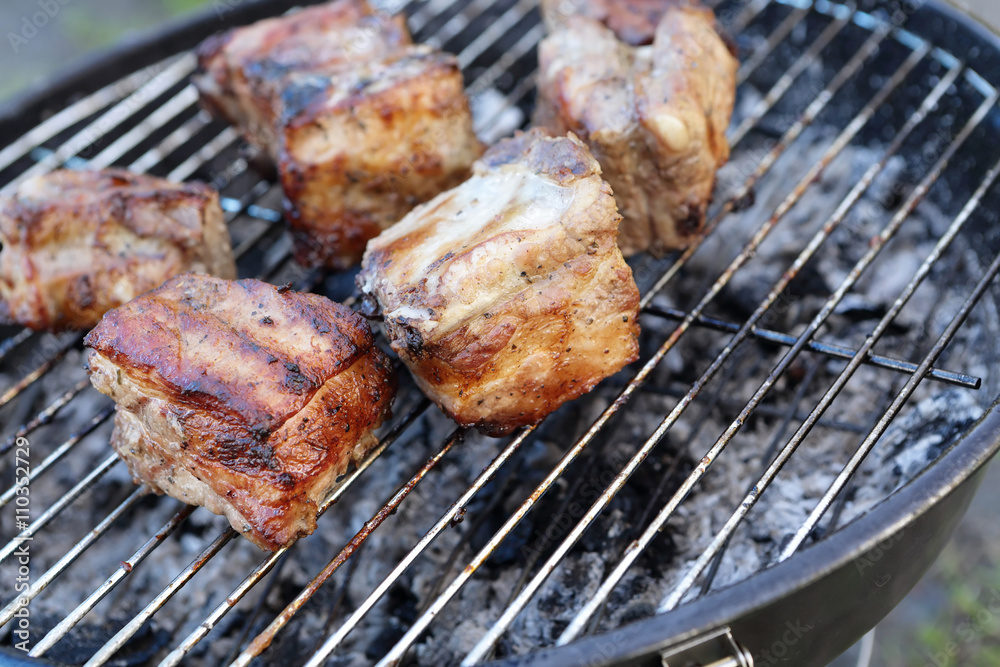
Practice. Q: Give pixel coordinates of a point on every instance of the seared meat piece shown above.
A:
(508, 296)
(243, 398)
(243, 72)
(363, 124)
(654, 116)
(362, 148)
(79, 243)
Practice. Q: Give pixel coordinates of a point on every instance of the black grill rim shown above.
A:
(867, 565)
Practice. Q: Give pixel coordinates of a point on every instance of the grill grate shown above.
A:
(148, 121)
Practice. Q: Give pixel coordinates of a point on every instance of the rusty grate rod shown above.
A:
(458, 506)
(263, 639)
(124, 569)
(59, 452)
(57, 507)
(45, 416)
(42, 582)
(829, 349)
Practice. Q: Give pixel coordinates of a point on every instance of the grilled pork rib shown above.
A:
(243, 72)
(79, 243)
(654, 116)
(360, 149)
(508, 296)
(243, 398)
(362, 124)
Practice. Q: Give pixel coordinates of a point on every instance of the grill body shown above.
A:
(803, 610)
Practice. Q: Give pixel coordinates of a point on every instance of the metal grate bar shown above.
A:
(424, 15)
(78, 111)
(859, 455)
(497, 29)
(842, 17)
(206, 153)
(137, 621)
(833, 350)
(772, 470)
(184, 100)
(59, 452)
(57, 507)
(171, 143)
(510, 613)
(45, 416)
(667, 511)
(526, 43)
(263, 639)
(740, 23)
(457, 23)
(45, 579)
(524, 86)
(126, 567)
(136, 101)
(39, 371)
(770, 411)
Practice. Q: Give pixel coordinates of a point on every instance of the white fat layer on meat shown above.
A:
(508, 199)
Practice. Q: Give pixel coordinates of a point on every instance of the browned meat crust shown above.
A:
(243, 72)
(362, 124)
(241, 397)
(507, 296)
(654, 116)
(79, 243)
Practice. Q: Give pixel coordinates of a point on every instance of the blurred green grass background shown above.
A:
(77, 27)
